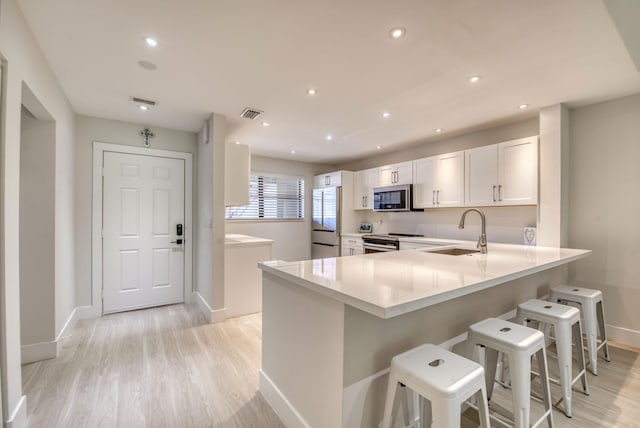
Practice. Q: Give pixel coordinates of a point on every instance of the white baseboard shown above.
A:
(38, 352)
(212, 315)
(18, 417)
(288, 415)
(623, 335)
(46, 350)
(85, 312)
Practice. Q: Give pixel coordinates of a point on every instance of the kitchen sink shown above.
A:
(454, 251)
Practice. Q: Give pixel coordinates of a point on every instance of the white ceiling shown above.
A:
(221, 56)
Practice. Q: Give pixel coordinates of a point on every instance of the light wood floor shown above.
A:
(160, 367)
(165, 367)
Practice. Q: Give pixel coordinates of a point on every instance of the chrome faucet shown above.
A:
(482, 240)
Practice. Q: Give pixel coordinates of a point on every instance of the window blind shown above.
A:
(272, 197)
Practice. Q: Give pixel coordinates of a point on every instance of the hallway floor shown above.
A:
(159, 367)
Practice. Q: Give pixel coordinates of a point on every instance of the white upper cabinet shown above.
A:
(502, 174)
(400, 173)
(364, 182)
(518, 172)
(331, 179)
(424, 183)
(438, 181)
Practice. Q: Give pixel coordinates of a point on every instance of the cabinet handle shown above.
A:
(433, 198)
(494, 193)
(500, 192)
(438, 197)
(366, 201)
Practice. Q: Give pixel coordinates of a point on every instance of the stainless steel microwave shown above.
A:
(392, 198)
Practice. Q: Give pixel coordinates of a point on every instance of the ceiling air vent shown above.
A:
(142, 101)
(250, 113)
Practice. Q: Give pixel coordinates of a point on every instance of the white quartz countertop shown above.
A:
(394, 283)
(234, 239)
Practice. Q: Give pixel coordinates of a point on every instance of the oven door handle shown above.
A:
(381, 247)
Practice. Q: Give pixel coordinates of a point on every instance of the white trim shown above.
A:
(46, 350)
(623, 335)
(96, 238)
(85, 312)
(279, 403)
(38, 352)
(18, 417)
(68, 324)
(212, 316)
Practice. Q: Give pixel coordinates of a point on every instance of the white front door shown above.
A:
(143, 204)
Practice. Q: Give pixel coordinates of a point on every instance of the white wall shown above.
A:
(605, 208)
(204, 217)
(37, 222)
(26, 63)
(504, 224)
(90, 129)
(292, 238)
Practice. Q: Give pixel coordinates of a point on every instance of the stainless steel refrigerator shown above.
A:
(325, 234)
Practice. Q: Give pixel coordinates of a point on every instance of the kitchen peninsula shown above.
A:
(331, 326)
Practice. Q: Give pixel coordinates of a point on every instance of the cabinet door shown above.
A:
(358, 251)
(364, 182)
(450, 180)
(318, 181)
(481, 176)
(424, 183)
(404, 173)
(386, 175)
(334, 179)
(518, 172)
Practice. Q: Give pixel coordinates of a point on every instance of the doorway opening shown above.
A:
(37, 230)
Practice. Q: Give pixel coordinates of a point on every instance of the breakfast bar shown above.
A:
(331, 326)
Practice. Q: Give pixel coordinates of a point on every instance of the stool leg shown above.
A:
(388, 405)
(563, 346)
(446, 413)
(591, 330)
(603, 329)
(483, 408)
(520, 389)
(490, 366)
(541, 356)
(577, 339)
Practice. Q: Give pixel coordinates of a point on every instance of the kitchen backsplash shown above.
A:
(504, 224)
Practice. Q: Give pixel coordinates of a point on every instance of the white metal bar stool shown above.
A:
(592, 307)
(446, 379)
(519, 344)
(566, 323)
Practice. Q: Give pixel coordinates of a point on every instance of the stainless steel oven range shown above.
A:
(383, 243)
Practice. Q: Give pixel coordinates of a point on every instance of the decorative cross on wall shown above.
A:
(146, 134)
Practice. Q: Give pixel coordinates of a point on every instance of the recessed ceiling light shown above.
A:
(143, 107)
(386, 114)
(329, 137)
(237, 142)
(523, 106)
(293, 152)
(151, 41)
(378, 147)
(311, 91)
(438, 130)
(265, 124)
(397, 32)
(474, 79)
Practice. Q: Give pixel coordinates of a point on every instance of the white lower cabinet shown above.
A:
(351, 246)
